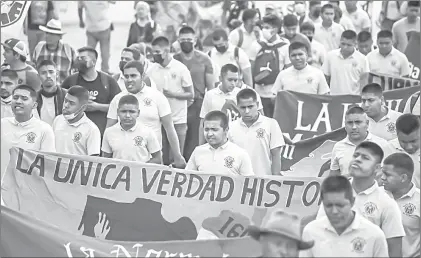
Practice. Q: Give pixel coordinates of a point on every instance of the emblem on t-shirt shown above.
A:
(358, 245)
(173, 75)
(147, 102)
(30, 137)
(333, 34)
(391, 127)
(138, 141)
(409, 208)
(354, 64)
(370, 208)
(229, 162)
(260, 133)
(77, 136)
(20, 81)
(309, 80)
(393, 62)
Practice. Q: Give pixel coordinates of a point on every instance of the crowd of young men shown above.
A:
(212, 111)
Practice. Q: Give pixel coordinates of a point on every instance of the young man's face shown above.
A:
(365, 46)
(308, 33)
(371, 103)
(248, 109)
(214, 133)
(385, 45)
(391, 179)
(71, 105)
(128, 113)
(290, 31)
(409, 142)
(229, 81)
(347, 45)
(328, 15)
(356, 126)
(338, 208)
(22, 102)
(298, 58)
(7, 86)
(364, 164)
(48, 76)
(132, 80)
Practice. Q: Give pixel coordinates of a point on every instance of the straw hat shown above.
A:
(53, 27)
(284, 224)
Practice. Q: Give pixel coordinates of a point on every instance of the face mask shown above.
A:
(310, 38)
(121, 65)
(267, 34)
(157, 58)
(73, 115)
(221, 49)
(82, 66)
(186, 47)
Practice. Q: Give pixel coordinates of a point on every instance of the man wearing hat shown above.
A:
(280, 235)
(54, 49)
(15, 55)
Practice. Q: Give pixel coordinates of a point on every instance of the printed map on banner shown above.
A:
(19, 231)
(316, 124)
(144, 202)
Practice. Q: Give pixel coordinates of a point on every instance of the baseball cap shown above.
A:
(16, 45)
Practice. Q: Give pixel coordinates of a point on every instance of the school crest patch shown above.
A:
(30, 137)
(260, 133)
(354, 64)
(147, 102)
(391, 127)
(358, 245)
(173, 75)
(229, 162)
(370, 208)
(409, 208)
(393, 62)
(77, 136)
(138, 141)
(20, 81)
(309, 80)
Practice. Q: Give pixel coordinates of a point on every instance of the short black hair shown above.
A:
(81, 93)
(337, 184)
(128, 100)
(12, 74)
(297, 45)
(414, 3)
(135, 64)
(135, 52)
(90, 50)
(229, 68)
(248, 14)
(219, 33)
(272, 20)
(354, 109)
(364, 36)
(290, 20)
(407, 123)
(218, 115)
(307, 26)
(349, 34)
(26, 87)
(374, 88)
(326, 6)
(373, 148)
(186, 30)
(246, 94)
(401, 162)
(385, 34)
(161, 41)
(46, 62)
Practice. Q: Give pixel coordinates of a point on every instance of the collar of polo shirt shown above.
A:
(354, 225)
(82, 120)
(169, 65)
(223, 93)
(368, 138)
(387, 116)
(130, 130)
(351, 56)
(224, 146)
(410, 193)
(258, 121)
(367, 191)
(15, 122)
(392, 52)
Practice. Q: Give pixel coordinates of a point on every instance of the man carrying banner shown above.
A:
(280, 236)
(129, 139)
(382, 120)
(301, 77)
(398, 170)
(343, 232)
(387, 59)
(24, 130)
(356, 126)
(259, 135)
(371, 201)
(219, 156)
(408, 141)
(77, 134)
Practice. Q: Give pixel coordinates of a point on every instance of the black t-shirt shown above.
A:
(103, 95)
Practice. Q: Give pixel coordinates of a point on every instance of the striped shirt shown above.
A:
(27, 75)
(64, 56)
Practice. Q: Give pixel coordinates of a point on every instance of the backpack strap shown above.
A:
(414, 99)
(104, 80)
(240, 37)
(37, 50)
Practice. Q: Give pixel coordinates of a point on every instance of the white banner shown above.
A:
(13, 14)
